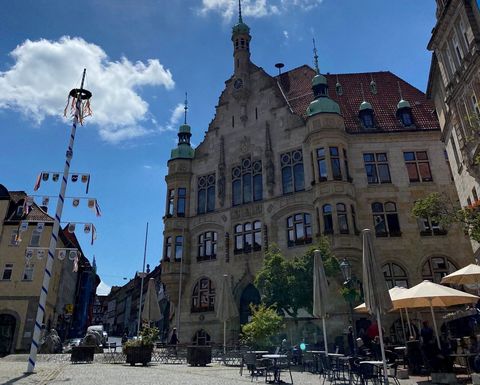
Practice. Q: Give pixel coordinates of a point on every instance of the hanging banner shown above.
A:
(94, 234)
(98, 212)
(55, 177)
(74, 177)
(72, 254)
(91, 203)
(76, 202)
(40, 253)
(23, 226)
(75, 264)
(85, 178)
(38, 182)
(40, 226)
(62, 253)
(71, 227)
(29, 201)
(45, 176)
(45, 201)
(28, 253)
(26, 207)
(87, 228)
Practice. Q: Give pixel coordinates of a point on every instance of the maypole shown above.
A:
(79, 95)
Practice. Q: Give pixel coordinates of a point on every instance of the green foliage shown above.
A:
(440, 209)
(265, 324)
(148, 336)
(288, 284)
(351, 294)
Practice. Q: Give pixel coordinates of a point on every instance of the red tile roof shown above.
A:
(296, 86)
(36, 214)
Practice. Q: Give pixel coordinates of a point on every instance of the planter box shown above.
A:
(443, 378)
(199, 355)
(140, 354)
(82, 354)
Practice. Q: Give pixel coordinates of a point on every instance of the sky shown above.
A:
(141, 57)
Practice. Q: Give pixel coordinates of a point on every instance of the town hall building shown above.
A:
(292, 157)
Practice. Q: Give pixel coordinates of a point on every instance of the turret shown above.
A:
(184, 150)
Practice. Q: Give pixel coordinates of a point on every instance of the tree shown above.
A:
(265, 324)
(288, 284)
(441, 209)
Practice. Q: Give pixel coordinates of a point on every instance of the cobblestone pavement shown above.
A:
(56, 369)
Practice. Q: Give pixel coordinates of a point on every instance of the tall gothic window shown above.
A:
(395, 275)
(299, 229)
(335, 161)
(248, 237)
(247, 182)
(327, 219)
(170, 202)
(203, 297)
(322, 164)
(207, 246)
(167, 254)
(385, 219)
(178, 247)
(206, 194)
(292, 171)
(342, 218)
(181, 199)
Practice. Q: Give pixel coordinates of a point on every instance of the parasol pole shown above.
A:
(409, 324)
(224, 337)
(435, 325)
(403, 326)
(80, 94)
(382, 347)
(325, 336)
(141, 284)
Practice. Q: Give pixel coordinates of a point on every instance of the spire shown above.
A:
(185, 108)
(315, 57)
(402, 103)
(240, 12)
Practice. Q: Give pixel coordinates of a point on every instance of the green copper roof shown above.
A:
(185, 128)
(403, 104)
(240, 27)
(319, 79)
(183, 151)
(323, 105)
(365, 106)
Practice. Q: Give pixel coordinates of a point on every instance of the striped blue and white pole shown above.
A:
(53, 239)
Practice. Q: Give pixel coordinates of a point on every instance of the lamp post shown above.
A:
(350, 285)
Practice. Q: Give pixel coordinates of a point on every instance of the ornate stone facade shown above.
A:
(268, 173)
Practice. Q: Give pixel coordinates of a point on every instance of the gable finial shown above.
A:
(363, 93)
(186, 108)
(399, 90)
(315, 57)
(240, 11)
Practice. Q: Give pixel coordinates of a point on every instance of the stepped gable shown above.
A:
(297, 87)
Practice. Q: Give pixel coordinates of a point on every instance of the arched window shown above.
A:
(406, 117)
(207, 246)
(167, 254)
(435, 268)
(203, 297)
(395, 275)
(342, 218)
(178, 247)
(292, 171)
(299, 229)
(201, 337)
(335, 163)
(248, 237)
(247, 182)
(327, 219)
(385, 219)
(206, 194)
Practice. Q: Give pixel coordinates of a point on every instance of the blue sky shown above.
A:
(141, 56)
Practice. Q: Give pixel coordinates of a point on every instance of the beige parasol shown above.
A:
(394, 294)
(468, 275)
(320, 293)
(225, 307)
(151, 309)
(429, 294)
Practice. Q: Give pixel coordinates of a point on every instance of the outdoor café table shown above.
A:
(316, 354)
(276, 369)
(402, 350)
(465, 357)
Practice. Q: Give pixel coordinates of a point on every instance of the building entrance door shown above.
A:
(250, 295)
(7, 331)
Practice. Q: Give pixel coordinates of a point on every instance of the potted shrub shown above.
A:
(140, 350)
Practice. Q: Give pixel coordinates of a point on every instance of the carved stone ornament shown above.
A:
(221, 174)
(245, 145)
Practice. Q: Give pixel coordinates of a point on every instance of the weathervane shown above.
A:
(186, 108)
(315, 56)
(240, 11)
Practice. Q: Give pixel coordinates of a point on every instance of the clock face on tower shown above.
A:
(238, 84)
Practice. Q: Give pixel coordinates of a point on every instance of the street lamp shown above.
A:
(349, 285)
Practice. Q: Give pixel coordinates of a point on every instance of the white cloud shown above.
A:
(256, 8)
(44, 71)
(285, 35)
(103, 289)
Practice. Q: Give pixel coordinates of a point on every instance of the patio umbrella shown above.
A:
(377, 299)
(320, 293)
(468, 275)
(151, 309)
(226, 308)
(394, 294)
(429, 294)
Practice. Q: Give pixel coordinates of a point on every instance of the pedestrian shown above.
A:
(351, 343)
(174, 339)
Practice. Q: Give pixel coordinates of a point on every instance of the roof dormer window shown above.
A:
(406, 118)
(404, 113)
(367, 119)
(365, 113)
